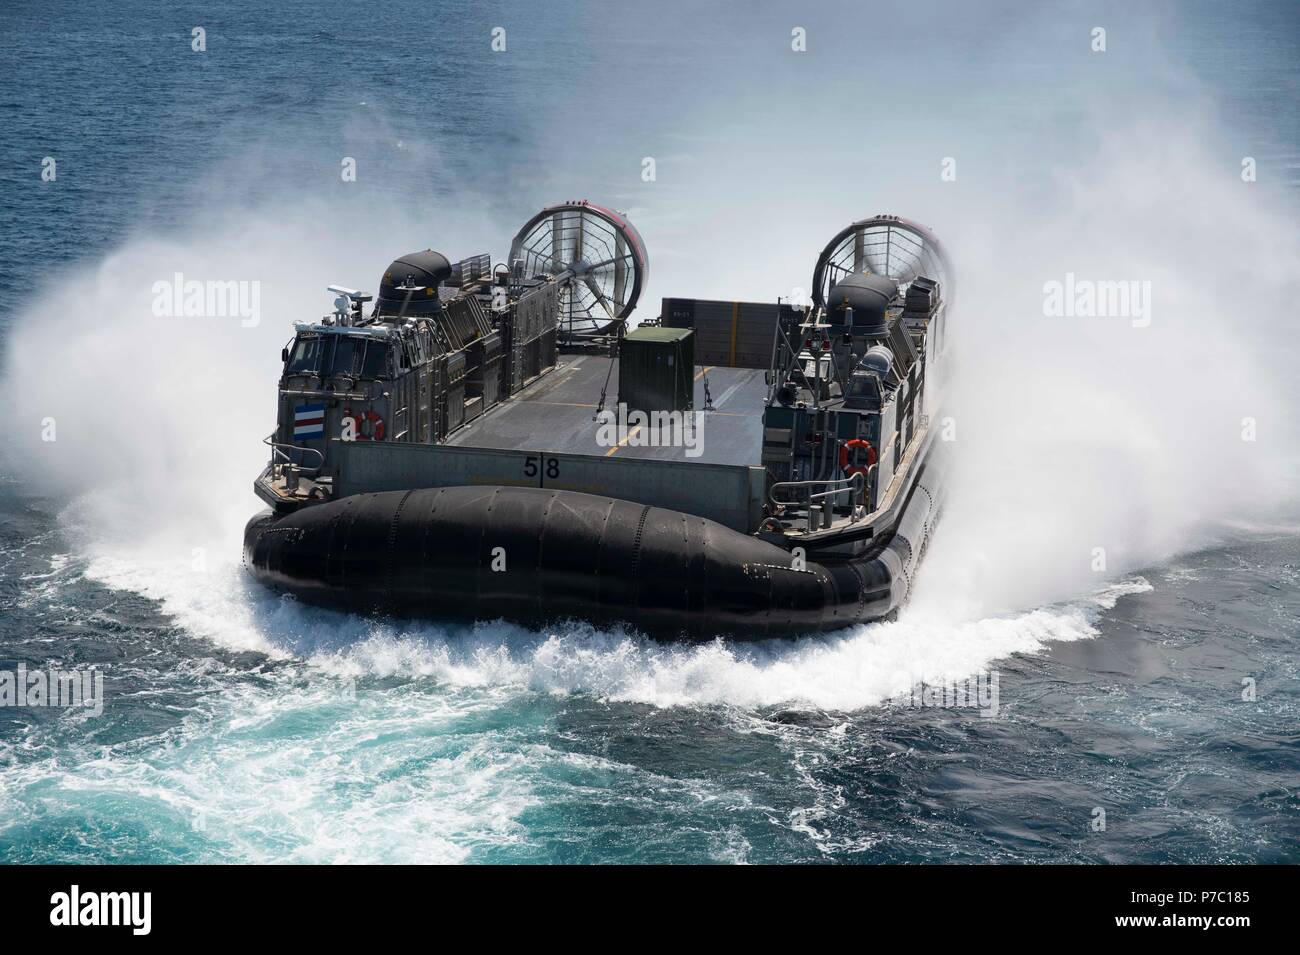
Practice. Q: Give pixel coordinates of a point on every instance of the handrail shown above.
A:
(860, 510)
(850, 482)
(315, 393)
(275, 447)
(855, 484)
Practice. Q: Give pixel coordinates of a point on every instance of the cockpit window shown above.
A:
(376, 361)
(306, 355)
(342, 355)
(347, 356)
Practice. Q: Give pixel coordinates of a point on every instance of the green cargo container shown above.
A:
(656, 370)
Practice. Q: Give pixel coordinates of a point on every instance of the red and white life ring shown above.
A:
(845, 457)
(359, 423)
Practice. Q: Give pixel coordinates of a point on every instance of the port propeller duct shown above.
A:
(597, 257)
(882, 245)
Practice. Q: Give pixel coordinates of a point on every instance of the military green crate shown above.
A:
(656, 369)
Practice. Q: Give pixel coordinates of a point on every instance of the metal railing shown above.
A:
(318, 393)
(278, 452)
(820, 515)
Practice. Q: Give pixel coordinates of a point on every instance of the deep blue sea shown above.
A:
(1148, 708)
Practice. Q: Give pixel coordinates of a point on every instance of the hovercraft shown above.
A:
(497, 443)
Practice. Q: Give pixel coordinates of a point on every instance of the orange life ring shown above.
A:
(375, 421)
(853, 469)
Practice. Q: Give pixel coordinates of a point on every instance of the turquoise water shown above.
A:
(239, 726)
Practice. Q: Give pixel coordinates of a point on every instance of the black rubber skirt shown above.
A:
(537, 556)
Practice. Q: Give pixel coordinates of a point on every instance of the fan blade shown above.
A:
(600, 297)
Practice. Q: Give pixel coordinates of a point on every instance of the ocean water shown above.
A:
(1117, 560)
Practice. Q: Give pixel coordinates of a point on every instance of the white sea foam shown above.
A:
(384, 743)
(856, 668)
(300, 774)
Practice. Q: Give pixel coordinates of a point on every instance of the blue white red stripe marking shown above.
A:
(308, 422)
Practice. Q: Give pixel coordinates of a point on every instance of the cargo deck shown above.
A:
(555, 414)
